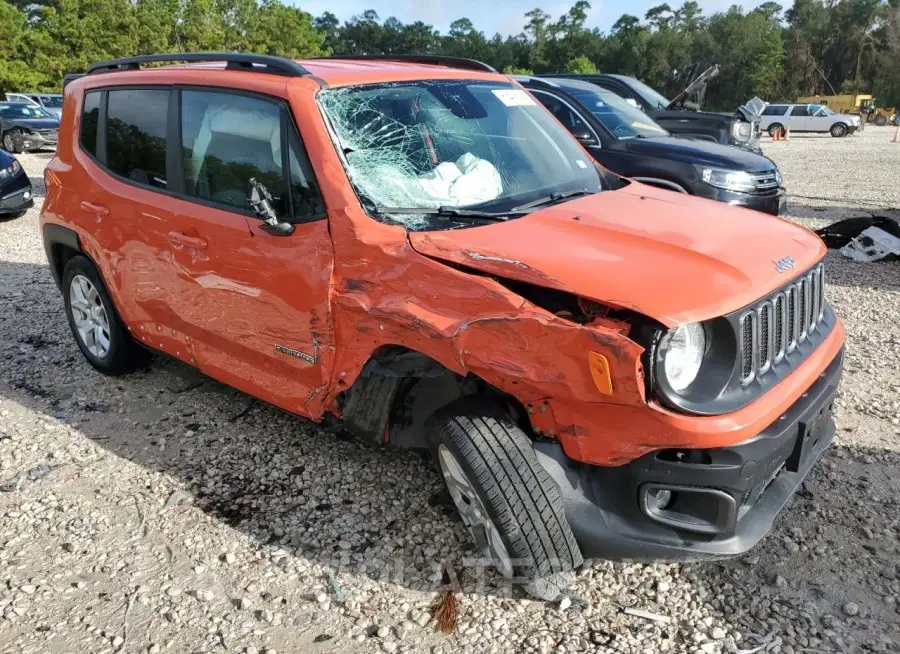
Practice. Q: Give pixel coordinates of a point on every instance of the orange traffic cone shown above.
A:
(776, 135)
(787, 133)
(896, 135)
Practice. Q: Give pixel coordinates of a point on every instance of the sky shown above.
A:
(490, 16)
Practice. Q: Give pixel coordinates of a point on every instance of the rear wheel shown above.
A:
(881, 120)
(99, 332)
(9, 142)
(510, 505)
(838, 130)
(776, 128)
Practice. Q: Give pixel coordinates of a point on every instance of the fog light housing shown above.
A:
(660, 499)
(689, 508)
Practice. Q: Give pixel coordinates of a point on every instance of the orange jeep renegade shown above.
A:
(416, 246)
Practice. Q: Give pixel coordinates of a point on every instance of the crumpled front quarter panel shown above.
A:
(387, 294)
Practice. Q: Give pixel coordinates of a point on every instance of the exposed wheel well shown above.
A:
(60, 256)
(60, 245)
(399, 389)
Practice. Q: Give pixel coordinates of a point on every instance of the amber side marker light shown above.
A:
(600, 372)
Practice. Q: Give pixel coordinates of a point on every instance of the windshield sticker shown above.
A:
(514, 97)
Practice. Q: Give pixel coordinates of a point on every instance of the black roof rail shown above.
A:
(432, 60)
(234, 60)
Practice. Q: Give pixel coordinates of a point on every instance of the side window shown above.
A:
(564, 114)
(800, 110)
(774, 110)
(136, 121)
(226, 141)
(90, 118)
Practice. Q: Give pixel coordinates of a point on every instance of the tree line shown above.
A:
(814, 46)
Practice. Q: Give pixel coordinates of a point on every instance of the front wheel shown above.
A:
(509, 503)
(776, 128)
(838, 130)
(9, 142)
(881, 120)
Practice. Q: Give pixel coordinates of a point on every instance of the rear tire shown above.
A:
(776, 128)
(881, 120)
(839, 130)
(98, 330)
(510, 504)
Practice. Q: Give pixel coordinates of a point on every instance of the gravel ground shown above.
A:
(163, 511)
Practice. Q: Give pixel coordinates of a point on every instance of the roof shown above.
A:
(329, 71)
(563, 83)
(344, 72)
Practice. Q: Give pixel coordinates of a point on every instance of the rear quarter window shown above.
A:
(136, 126)
(90, 119)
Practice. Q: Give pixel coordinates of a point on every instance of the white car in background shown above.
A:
(806, 118)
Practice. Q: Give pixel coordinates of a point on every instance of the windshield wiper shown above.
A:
(553, 198)
(453, 212)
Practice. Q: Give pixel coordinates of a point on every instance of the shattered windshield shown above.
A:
(619, 117)
(440, 144)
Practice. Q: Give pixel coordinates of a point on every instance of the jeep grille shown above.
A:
(776, 325)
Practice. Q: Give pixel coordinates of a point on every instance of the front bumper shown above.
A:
(29, 142)
(724, 500)
(17, 195)
(773, 202)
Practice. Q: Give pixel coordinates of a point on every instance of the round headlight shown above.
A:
(683, 349)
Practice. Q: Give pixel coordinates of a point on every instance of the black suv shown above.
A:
(630, 143)
(679, 116)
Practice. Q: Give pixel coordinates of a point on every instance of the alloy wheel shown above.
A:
(473, 513)
(90, 316)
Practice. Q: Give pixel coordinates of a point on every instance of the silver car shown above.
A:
(806, 118)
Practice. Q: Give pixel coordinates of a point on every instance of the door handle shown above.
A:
(96, 209)
(180, 238)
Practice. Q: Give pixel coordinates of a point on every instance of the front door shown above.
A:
(819, 121)
(797, 118)
(254, 305)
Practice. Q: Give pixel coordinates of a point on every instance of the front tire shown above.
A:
(881, 120)
(776, 128)
(510, 504)
(839, 130)
(98, 330)
(9, 142)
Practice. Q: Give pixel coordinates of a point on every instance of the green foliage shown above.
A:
(581, 65)
(773, 51)
(513, 70)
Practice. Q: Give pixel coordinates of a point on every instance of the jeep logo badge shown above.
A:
(787, 263)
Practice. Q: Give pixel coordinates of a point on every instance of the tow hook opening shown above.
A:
(700, 510)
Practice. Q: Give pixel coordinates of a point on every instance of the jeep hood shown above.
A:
(674, 258)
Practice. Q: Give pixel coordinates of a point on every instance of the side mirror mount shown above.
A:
(585, 137)
(261, 201)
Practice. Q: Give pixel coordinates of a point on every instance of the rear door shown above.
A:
(797, 118)
(255, 305)
(121, 206)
